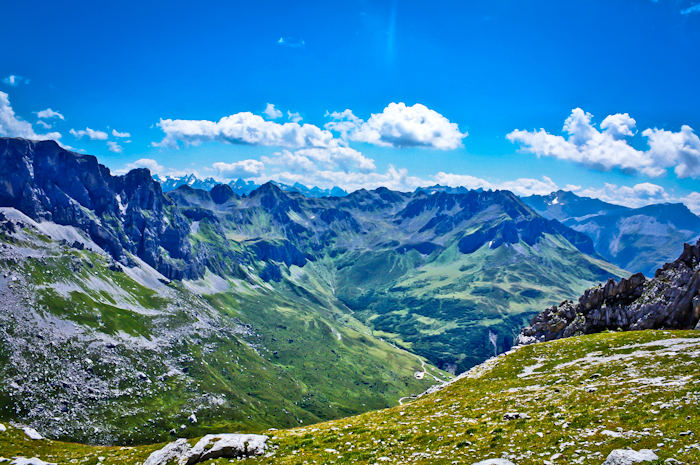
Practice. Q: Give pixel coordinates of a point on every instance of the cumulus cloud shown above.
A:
(692, 201)
(610, 149)
(14, 81)
(635, 196)
(242, 128)
(149, 163)
(44, 124)
(115, 133)
(114, 147)
(292, 161)
(335, 156)
(344, 122)
(239, 169)
(393, 178)
(522, 186)
(272, 112)
(400, 126)
(92, 134)
(680, 150)
(13, 126)
(294, 117)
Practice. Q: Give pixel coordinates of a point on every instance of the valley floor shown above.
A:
(572, 401)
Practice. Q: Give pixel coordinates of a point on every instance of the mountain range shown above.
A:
(129, 310)
(240, 186)
(639, 240)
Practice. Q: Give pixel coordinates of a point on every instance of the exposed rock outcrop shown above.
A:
(669, 300)
(121, 214)
(211, 446)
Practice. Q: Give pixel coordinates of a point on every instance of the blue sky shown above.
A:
(473, 93)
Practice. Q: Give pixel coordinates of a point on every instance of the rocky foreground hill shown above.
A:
(670, 300)
(587, 400)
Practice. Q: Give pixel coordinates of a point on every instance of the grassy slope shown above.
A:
(221, 347)
(585, 396)
(443, 306)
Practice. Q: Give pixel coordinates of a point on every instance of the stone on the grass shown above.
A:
(174, 451)
(214, 446)
(32, 461)
(211, 446)
(516, 416)
(494, 462)
(32, 433)
(628, 457)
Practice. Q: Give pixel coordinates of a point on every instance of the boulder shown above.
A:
(494, 462)
(628, 457)
(211, 446)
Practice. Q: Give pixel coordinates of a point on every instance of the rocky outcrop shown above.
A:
(122, 214)
(670, 300)
(211, 446)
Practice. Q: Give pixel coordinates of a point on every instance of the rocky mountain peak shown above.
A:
(131, 214)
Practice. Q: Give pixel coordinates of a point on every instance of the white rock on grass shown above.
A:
(494, 462)
(177, 450)
(32, 433)
(211, 446)
(628, 457)
(32, 461)
(3, 428)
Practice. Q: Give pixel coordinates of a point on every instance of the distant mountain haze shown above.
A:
(639, 240)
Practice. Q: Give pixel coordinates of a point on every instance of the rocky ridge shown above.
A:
(670, 300)
(122, 214)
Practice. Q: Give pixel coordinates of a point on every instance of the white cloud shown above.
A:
(90, 133)
(149, 163)
(13, 126)
(115, 133)
(679, 149)
(242, 128)
(400, 126)
(272, 112)
(692, 9)
(291, 161)
(396, 179)
(522, 186)
(239, 169)
(44, 124)
(14, 81)
(114, 147)
(49, 113)
(636, 196)
(287, 42)
(344, 122)
(608, 149)
(294, 117)
(333, 157)
(692, 201)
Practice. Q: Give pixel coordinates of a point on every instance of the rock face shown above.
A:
(121, 214)
(669, 300)
(211, 446)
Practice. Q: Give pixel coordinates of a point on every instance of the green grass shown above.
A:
(646, 394)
